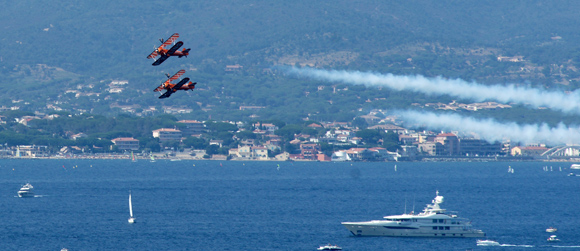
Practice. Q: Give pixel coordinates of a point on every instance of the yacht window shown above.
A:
(414, 220)
(446, 228)
(434, 228)
(440, 228)
(441, 220)
(434, 221)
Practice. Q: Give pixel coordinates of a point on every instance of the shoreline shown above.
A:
(221, 158)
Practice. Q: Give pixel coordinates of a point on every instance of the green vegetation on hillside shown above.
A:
(63, 55)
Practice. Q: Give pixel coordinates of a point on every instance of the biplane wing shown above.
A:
(153, 54)
(166, 94)
(166, 55)
(174, 89)
(177, 75)
(174, 48)
(170, 40)
(167, 42)
(167, 83)
(160, 60)
(180, 84)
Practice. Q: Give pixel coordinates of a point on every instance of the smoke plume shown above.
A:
(565, 102)
(492, 130)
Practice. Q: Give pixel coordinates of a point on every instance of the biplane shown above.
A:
(171, 88)
(166, 53)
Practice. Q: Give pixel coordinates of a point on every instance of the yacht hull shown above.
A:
(26, 195)
(363, 230)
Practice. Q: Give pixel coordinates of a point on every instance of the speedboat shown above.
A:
(26, 191)
(329, 247)
(575, 166)
(551, 229)
(487, 243)
(553, 238)
(432, 222)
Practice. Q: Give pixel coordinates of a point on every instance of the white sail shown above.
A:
(130, 207)
(131, 219)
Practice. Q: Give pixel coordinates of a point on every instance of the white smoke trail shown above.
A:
(492, 130)
(453, 87)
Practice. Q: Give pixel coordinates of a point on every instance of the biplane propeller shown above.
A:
(166, 53)
(171, 88)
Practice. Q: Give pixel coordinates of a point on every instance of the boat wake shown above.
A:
(532, 246)
(490, 243)
(35, 196)
(513, 245)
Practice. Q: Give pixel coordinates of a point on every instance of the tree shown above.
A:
(153, 146)
(174, 144)
(221, 127)
(196, 143)
(212, 149)
(391, 141)
(291, 148)
(360, 122)
(246, 135)
(369, 136)
(287, 132)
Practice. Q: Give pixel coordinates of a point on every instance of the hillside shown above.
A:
(64, 55)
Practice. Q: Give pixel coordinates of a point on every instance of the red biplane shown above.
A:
(171, 88)
(166, 53)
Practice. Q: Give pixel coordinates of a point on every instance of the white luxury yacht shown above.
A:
(26, 191)
(432, 222)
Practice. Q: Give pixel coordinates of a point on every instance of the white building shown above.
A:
(167, 134)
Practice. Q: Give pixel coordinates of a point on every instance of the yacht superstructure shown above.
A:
(432, 222)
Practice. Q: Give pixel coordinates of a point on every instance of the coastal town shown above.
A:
(334, 141)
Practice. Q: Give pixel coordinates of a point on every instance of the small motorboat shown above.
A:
(551, 229)
(487, 243)
(553, 238)
(329, 247)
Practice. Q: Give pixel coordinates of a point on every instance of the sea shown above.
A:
(244, 205)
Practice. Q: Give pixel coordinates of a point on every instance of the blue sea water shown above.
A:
(212, 205)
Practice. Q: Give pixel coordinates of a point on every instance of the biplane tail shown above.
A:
(185, 52)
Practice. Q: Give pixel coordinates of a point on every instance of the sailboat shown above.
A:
(152, 158)
(133, 157)
(131, 219)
